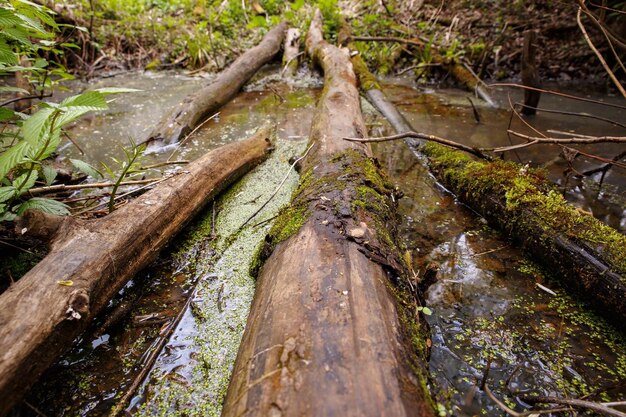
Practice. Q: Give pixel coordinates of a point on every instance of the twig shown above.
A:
(587, 115)
(119, 408)
(556, 93)
(446, 142)
(19, 248)
(598, 54)
(14, 99)
(160, 164)
(127, 194)
(501, 404)
(64, 187)
(282, 72)
(253, 215)
(574, 139)
(179, 144)
(590, 405)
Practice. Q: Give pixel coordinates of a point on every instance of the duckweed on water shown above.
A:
(222, 299)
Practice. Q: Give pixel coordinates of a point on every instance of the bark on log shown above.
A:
(323, 337)
(454, 68)
(198, 105)
(586, 256)
(40, 317)
(291, 52)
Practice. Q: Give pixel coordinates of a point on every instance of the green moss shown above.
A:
(531, 201)
(288, 223)
(367, 80)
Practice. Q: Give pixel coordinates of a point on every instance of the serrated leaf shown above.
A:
(7, 56)
(85, 168)
(116, 90)
(92, 100)
(7, 216)
(7, 193)
(36, 125)
(49, 174)
(44, 204)
(25, 181)
(51, 146)
(9, 89)
(71, 114)
(10, 158)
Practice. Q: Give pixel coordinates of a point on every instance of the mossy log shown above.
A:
(587, 256)
(455, 68)
(89, 262)
(324, 337)
(195, 107)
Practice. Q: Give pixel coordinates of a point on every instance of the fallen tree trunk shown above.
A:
(89, 262)
(198, 105)
(454, 68)
(291, 52)
(323, 336)
(587, 256)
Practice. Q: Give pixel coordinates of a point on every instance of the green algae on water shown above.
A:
(222, 299)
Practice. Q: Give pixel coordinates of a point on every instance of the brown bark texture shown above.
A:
(323, 337)
(195, 107)
(582, 253)
(89, 262)
(291, 52)
(530, 75)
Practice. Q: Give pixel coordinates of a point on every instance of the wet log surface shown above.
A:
(173, 127)
(89, 262)
(586, 256)
(323, 337)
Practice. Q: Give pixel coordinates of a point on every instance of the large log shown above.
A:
(198, 105)
(41, 314)
(323, 337)
(585, 255)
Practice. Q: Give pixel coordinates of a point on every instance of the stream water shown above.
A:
(189, 309)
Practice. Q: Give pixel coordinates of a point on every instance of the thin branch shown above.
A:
(432, 138)
(253, 215)
(590, 405)
(179, 144)
(64, 187)
(556, 93)
(578, 114)
(574, 139)
(598, 54)
(160, 164)
(14, 99)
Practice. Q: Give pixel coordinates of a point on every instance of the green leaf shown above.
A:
(36, 126)
(25, 181)
(49, 174)
(6, 114)
(85, 168)
(92, 100)
(7, 56)
(44, 204)
(116, 90)
(52, 144)
(7, 193)
(10, 158)
(9, 89)
(7, 216)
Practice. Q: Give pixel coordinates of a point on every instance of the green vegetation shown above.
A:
(529, 197)
(36, 137)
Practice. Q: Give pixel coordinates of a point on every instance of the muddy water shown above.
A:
(189, 309)
(183, 317)
(488, 309)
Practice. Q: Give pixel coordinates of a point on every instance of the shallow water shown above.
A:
(487, 307)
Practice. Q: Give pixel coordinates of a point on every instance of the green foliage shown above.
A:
(27, 30)
(131, 165)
